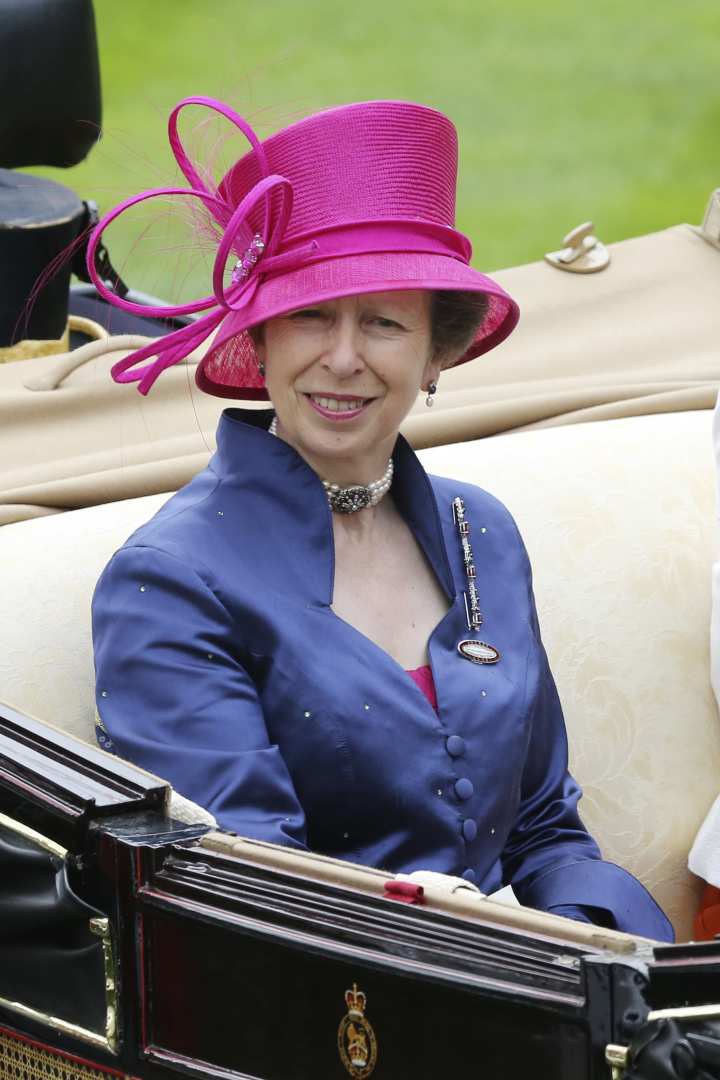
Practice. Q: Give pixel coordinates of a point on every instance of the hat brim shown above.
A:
(230, 367)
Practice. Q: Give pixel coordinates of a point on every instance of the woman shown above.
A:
(314, 639)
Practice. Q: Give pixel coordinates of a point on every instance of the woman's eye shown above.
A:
(307, 313)
(386, 324)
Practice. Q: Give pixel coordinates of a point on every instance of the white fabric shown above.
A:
(618, 520)
(505, 896)
(445, 882)
(704, 857)
(449, 884)
(188, 812)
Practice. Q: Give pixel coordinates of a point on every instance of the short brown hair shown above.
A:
(455, 316)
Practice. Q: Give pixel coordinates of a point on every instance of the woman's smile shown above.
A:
(338, 407)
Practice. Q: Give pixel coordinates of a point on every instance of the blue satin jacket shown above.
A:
(222, 666)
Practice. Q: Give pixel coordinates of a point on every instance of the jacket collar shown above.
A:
(247, 455)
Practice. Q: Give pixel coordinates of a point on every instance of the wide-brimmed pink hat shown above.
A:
(360, 198)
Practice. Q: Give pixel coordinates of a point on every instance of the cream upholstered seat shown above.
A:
(49, 570)
(618, 520)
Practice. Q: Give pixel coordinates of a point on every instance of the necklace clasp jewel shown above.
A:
(346, 500)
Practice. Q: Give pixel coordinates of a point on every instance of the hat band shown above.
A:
(369, 238)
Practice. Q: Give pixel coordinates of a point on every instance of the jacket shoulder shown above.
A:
(174, 525)
(482, 508)
(177, 529)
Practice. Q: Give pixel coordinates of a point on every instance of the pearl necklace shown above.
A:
(348, 500)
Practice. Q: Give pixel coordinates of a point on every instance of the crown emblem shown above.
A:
(356, 1002)
(356, 1039)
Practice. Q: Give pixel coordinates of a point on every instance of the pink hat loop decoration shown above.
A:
(176, 345)
(355, 199)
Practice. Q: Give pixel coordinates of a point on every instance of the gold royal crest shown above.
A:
(356, 1039)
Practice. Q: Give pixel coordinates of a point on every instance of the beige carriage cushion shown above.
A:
(640, 337)
(618, 520)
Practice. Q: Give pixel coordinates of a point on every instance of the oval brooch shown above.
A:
(478, 652)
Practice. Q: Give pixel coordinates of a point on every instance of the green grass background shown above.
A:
(565, 110)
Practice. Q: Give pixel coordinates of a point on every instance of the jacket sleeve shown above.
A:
(174, 698)
(550, 859)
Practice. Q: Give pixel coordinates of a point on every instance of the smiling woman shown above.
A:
(297, 640)
(344, 375)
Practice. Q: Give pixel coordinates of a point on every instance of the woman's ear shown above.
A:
(431, 373)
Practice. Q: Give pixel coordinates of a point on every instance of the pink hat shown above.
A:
(360, 198)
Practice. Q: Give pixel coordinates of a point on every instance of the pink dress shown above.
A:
(423, 679)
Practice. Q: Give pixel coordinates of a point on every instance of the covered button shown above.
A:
(464, 788)
(469, 830)
(455, 745)
(469, 875)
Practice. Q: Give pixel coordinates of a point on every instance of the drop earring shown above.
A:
(261, 369)
(431, 391)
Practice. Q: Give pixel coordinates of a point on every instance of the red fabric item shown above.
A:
(405, 892)
(423, 679)
(707, 920)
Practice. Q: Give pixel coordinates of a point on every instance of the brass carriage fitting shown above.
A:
(100, 926)
(617, 1059)
(686, 1012)
(710, 228)
(581, 253)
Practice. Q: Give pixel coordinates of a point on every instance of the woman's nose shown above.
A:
(344, 353)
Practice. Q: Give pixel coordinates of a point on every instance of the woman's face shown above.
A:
(343, 374)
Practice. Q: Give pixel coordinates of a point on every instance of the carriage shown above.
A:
(139, 940)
